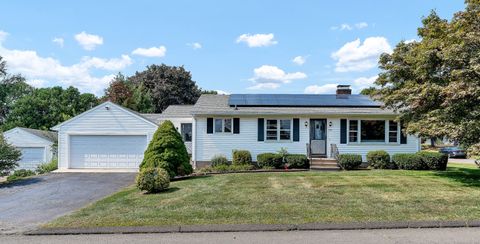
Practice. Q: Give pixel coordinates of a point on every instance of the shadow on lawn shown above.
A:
(466, 176)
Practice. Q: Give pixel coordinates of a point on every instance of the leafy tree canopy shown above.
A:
(46, 107)
(12, 88)
(9, 156)
(154, 89)
(435, 82)
(167, 85)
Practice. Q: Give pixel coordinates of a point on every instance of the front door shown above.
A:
(318, 136)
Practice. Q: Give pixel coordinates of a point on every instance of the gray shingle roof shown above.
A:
(172, 111)
(209, 104)
(47, 135)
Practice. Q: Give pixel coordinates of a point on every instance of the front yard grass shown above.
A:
(300, 197)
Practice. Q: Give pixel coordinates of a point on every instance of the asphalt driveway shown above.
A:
(29, 203)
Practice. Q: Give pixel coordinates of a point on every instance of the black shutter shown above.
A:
(236, 125)
(209, 125)
(261, 124)
(403, 136)
(343, 131)
(296, 129)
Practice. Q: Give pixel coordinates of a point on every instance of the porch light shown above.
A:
(306, 123)
(330, 124)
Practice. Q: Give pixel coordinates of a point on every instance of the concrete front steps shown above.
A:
(327, 164)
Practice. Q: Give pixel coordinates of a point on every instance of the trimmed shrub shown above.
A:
(166, 150)
(408, 161)
(21, 173)
(434, 160)
(226, 168)
(153, 180)
(241, 157)
(349, 161)
(297, 161)
(219, 160)
(380, 160)
(47, 167)
(273, 160)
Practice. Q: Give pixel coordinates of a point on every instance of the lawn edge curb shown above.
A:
(254, 227)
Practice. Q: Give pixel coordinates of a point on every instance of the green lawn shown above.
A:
(301, 197)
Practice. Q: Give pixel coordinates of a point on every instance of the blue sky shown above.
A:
(232, 46)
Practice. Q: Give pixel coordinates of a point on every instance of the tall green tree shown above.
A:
(9, 156)
(435, 82)
(167, 85)
(47, 107)
(134, 96)
(12, 88)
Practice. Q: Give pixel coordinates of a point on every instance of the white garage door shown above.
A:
(98, 151)
(31, 157)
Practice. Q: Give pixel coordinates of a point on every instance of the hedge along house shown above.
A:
(111, 137)
(317, 125)
(37, 146)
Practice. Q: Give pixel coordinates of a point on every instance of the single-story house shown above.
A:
(37, 146)
(110, 136)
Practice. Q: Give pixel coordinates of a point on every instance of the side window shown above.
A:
(186, 131)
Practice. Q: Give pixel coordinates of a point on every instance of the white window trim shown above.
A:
(223, 126)
(359, 133)
(278, 131)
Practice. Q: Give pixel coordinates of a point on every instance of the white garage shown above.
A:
(36, 146)
(100, 151)
(106, 137)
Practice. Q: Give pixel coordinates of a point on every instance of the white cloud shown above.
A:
(41, 71)
(195, 45)
(364, 82)
(361, 25)
(271, 77)
(349, 27)
(151, 52)
(410, 41)
(299, 60)
(357, 86)
(106, 64)
(357, 56)
(88, 41)
(58, 40)
(323, 89)
(257, 40)
(220, 92)
(3, 36)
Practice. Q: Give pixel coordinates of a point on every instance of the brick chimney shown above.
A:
(344, 90)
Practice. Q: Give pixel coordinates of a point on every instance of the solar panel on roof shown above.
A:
(301, 100)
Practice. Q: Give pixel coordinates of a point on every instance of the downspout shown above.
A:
(194, 143)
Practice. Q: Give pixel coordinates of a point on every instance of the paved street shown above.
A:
(453, 235)
(28, 203)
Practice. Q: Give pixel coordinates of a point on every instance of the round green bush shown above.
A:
(219, 160)
(241, 157)
(153, 180)
(270, 160)
(297, 161)
(349, 161)
(409, 161)
(434, 160)
(380, 160)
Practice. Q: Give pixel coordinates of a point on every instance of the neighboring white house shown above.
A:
(37, 146)
(110, 136)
